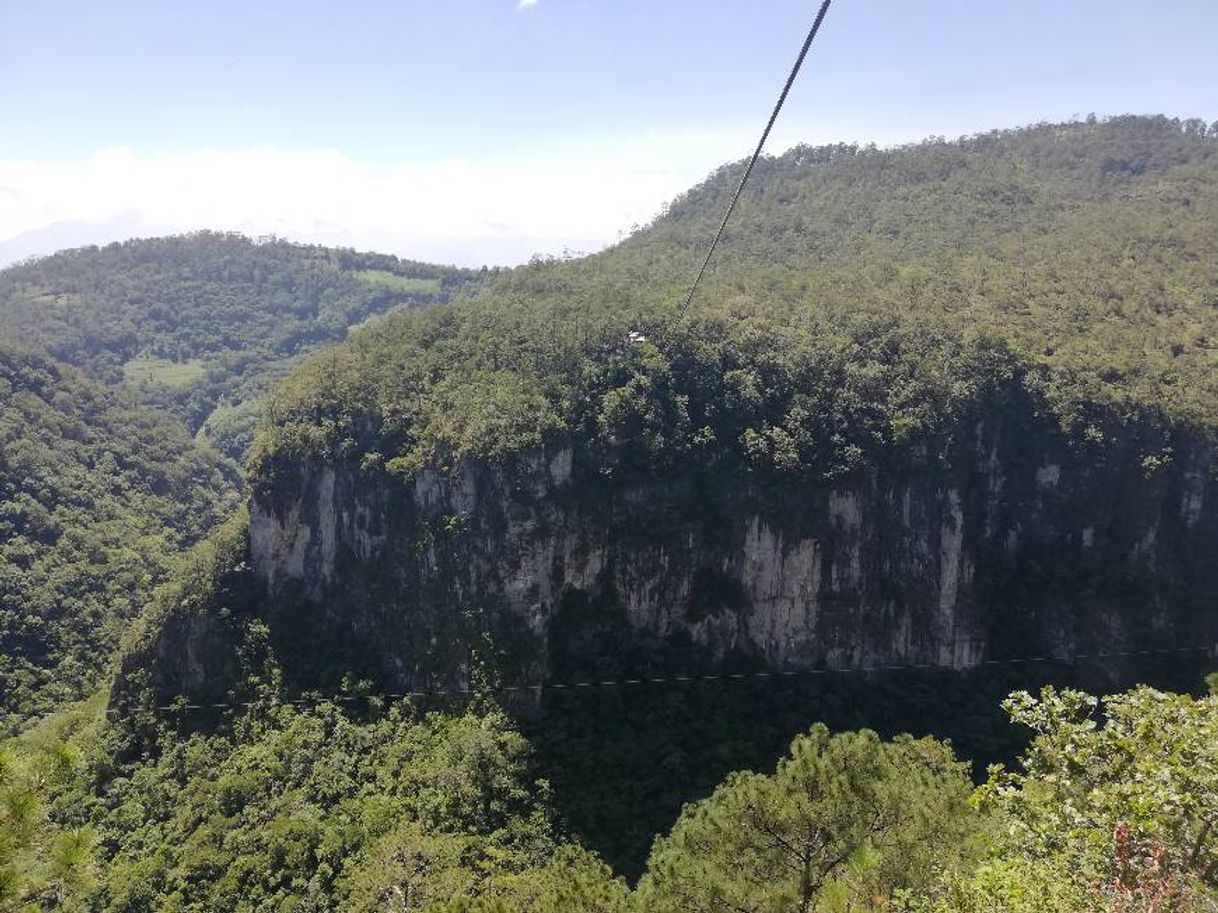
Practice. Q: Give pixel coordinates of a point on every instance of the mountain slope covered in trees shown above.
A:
(866, 307)
(862, 298)
(111, 358)
(97, 495)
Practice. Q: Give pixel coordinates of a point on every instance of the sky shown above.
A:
(488, 131)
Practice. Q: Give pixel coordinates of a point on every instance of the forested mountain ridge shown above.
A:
(869, 455)
(829, 205)
(198, 319)
(897, 441)
(97, 496)
(1087, 246)
(887, 281)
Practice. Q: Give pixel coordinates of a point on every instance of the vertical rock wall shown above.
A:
(1012, 542)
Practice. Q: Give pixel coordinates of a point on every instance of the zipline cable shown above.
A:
(799, 62)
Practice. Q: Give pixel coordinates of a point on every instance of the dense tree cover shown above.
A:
(387, 807)
(358, 803)
(1114, 809)
(205, 318)
(861, 299)
(846, 205)
(847, 817)
(97, 495)
(622, 762)
(290, 809)
(1109, 804)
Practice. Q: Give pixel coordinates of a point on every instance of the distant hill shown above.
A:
(201, 319)
(97, 495)
(831, 206)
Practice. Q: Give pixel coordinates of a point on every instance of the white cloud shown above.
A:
(579, 195)
(525, 4)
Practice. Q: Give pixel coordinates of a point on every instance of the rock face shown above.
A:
(1011, 542)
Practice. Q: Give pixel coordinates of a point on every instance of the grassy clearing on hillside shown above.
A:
(145, 369)
(405, 284)
(44, 297)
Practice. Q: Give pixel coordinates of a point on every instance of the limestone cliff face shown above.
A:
(1012, 542)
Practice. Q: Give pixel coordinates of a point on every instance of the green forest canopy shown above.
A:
(1111, 808)
(861, 297)
(97, 496)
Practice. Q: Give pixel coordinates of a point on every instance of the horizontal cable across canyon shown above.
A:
(686, 679)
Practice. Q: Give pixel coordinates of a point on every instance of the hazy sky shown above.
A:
(488, 130)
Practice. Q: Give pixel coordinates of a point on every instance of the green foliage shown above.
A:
(863, 300)
(288, 809)
(230, 428)
(1115, 808)
(427, 388)
(46, 863)
(309, 806)
(572, 881)
(391, 808)
(622, 762)
(200, 582)
(844, 820)
(96, 497)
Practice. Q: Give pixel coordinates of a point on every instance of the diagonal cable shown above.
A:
(799, 62)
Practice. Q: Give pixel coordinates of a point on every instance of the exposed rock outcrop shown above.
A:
(1011, 542)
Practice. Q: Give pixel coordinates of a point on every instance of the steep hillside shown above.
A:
(102, 486)
(1087, 247)
(984, 424)
(96, 497)
(841, 205)
(199, 319)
